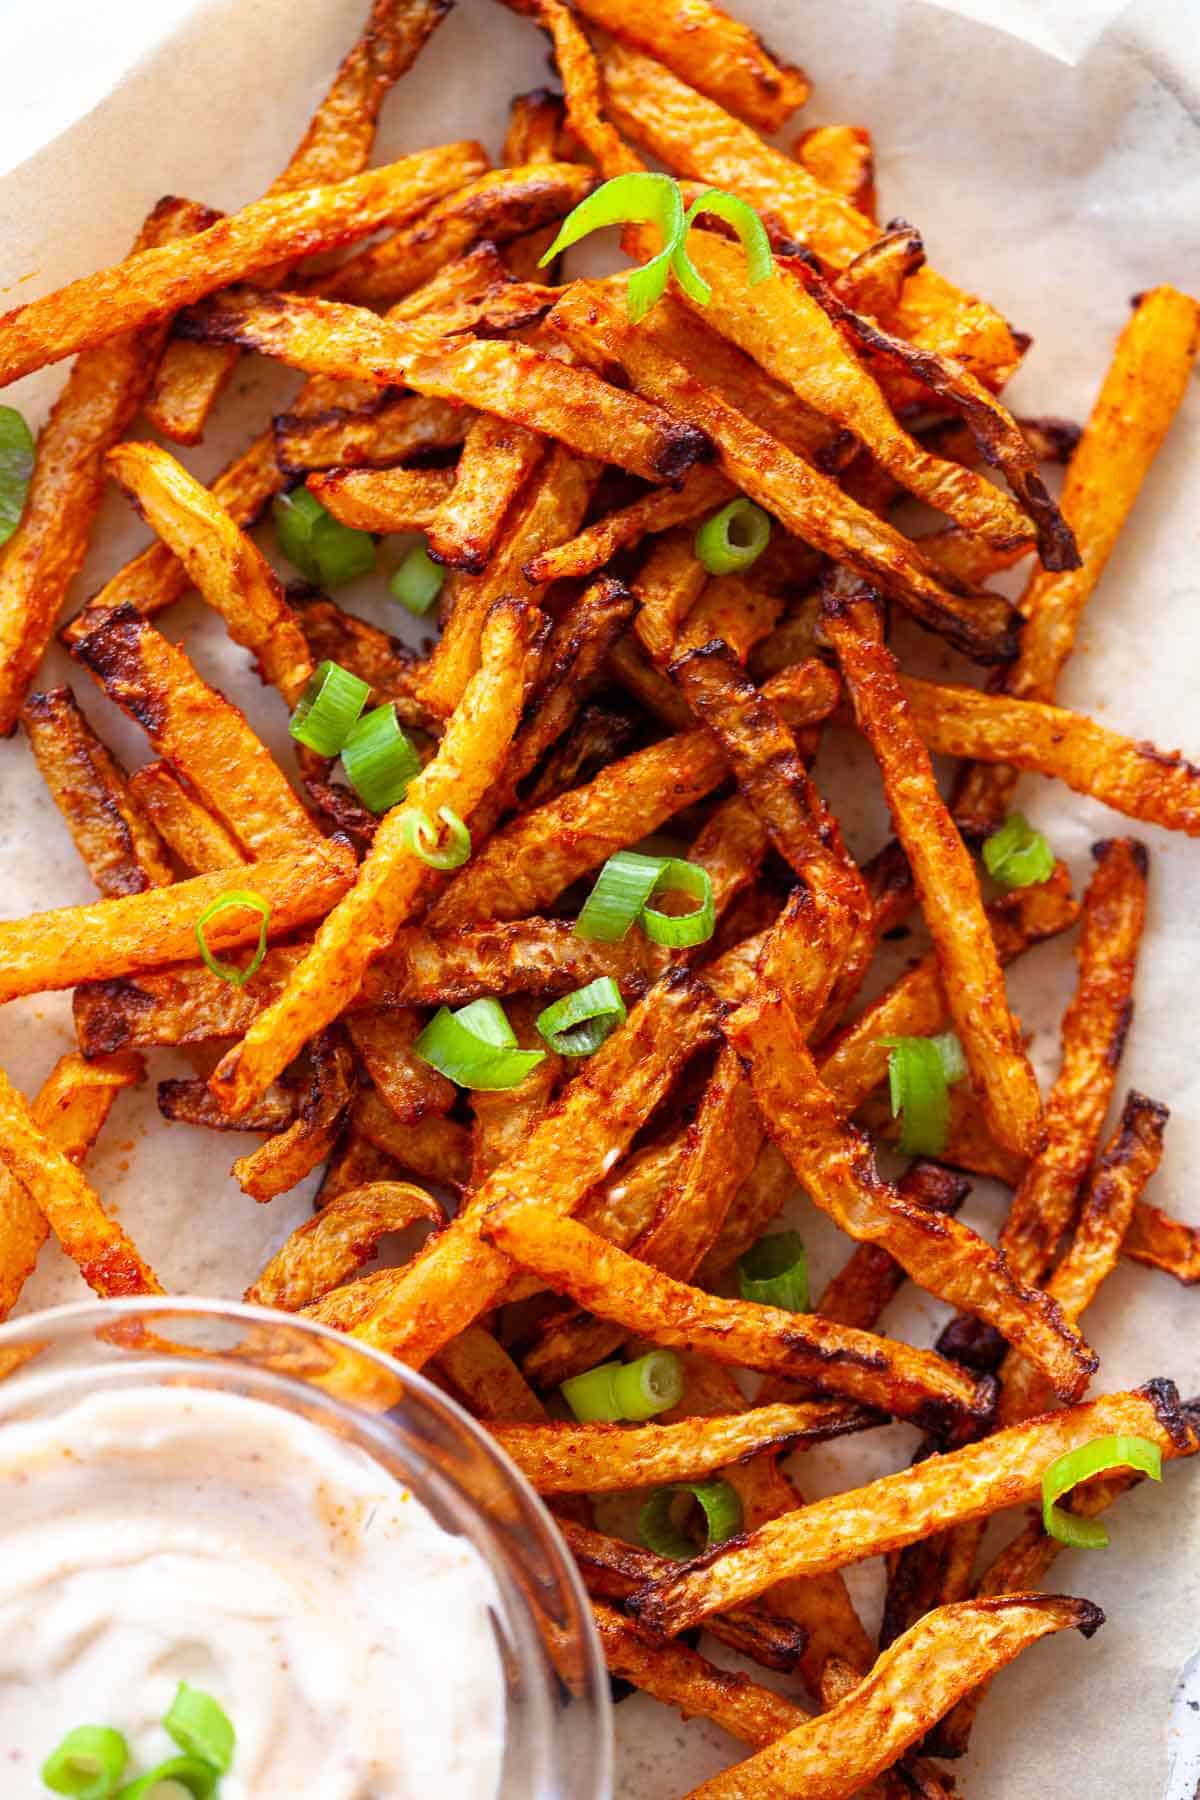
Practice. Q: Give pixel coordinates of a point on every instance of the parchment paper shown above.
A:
(1052, 160)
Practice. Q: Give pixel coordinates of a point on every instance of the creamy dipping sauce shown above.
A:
(160, 1534)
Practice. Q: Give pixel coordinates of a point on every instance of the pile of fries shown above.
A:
(594, 685)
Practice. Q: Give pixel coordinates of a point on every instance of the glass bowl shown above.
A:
(558, 1738)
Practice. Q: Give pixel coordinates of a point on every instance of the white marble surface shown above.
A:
(1052, 159)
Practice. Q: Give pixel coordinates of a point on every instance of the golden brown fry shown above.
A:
(733, 609)
(841, 157)
(855, 1061)
(355, 1163)
(70, 1107)
(705, 490)
(613, 1284)
(668, 585)
(488, 1379)
(786, 329)
(720, 1150)
(715, 53)
(106, 1258)
(345, 1234)
(940, 1659)
(1159, 787)
(500, 205)
(1093, 1035)
(221, 561)
(757, 1202)
(943, 873)
(152, 283)
(809, 504)
(682, 1677)
(146, 931)
(102, 809)
(337, 144)
(535, 121)
(573, 1459)
(384, 1038)
(571, 1148)
(190, 1103)
(582, 91)
(629, 665)
(1141, 391)
(285, 1159)
(383, 500)
(1161, 1242)
(981, 1478)
(435, 1148)
(100, 398)
(870, 1278)
(999, 437)
(387, 429)
(497, 459)
(694, 137)
(392, 881)
(198, 839)
(834, 1163)
(551, 505)
(504, 1120)
(512, 380)
(874, 281)
(198, 733)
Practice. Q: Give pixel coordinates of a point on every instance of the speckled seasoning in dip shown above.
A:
(159, 1534)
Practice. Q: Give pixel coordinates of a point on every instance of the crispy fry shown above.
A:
(870, 1278)
(1093, 1035)
(1139, 396)
(106, 1258)
(720, 1151)
(809, 504)
(1161, 1242)
(384, 1039)
(940, 1659)
(573, 1459)
(387, 429)
(855, 1061)
(504, 1120)
(704, 491)
(383, 500)
(70, 1107)
(198, 733)
(285, 1159)
(783, 325)
(943, 873)
(500, 205)
(391, 882)
(139, 932)
(550, 506)
(488, 1379)
(435, 1148)
(337, 144)
(716, 54)
(229, 570)
(757, 1202)
(841, 157)
(497, 459)
(345, 1234)
(535, 121)
(1160, 787)
(355, 1163)
(189, 1102)
(150, 284)
(682, 1677)
(610, 1282)
(833, 1162)
(102, 394)
(734, 610)
(981, 1478)
(198, 839)
(694, 137)
(103, 811)
(519, 384)
(668, 585)
(571, 1148)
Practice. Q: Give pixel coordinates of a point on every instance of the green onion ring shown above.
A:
(1080, 1465)
(717, 540)
(201, 1727)
(615, 1392)
(379, 759)
(680, 930)
(719, 1503)
(417, 582)
(88, 1763)
(578, 1024)
(476, 1048)
(327, 709)
(421, 837)
(191, 1773)
(234, 897)
(1016, 855)
(774, 1272)
(622, 888)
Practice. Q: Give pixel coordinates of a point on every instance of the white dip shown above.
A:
(164, 1533)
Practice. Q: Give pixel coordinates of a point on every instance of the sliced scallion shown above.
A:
(579, 1022)
(623, 1392)
(920, 1071)
(637, 198)
(657, 1522)
(379, 759)
(680, 930)
(88, 1763)
(1017, 856)
(17, 452)
(234, 897)
(733, 538)
(417, 582)
(476, 1047)
(174, 1779)
(201, 1727)
(1079, 1465)
(760, 263)
(623, 886)
(325, 551)
(328, 708)
(421, 836)
(774, 1272)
